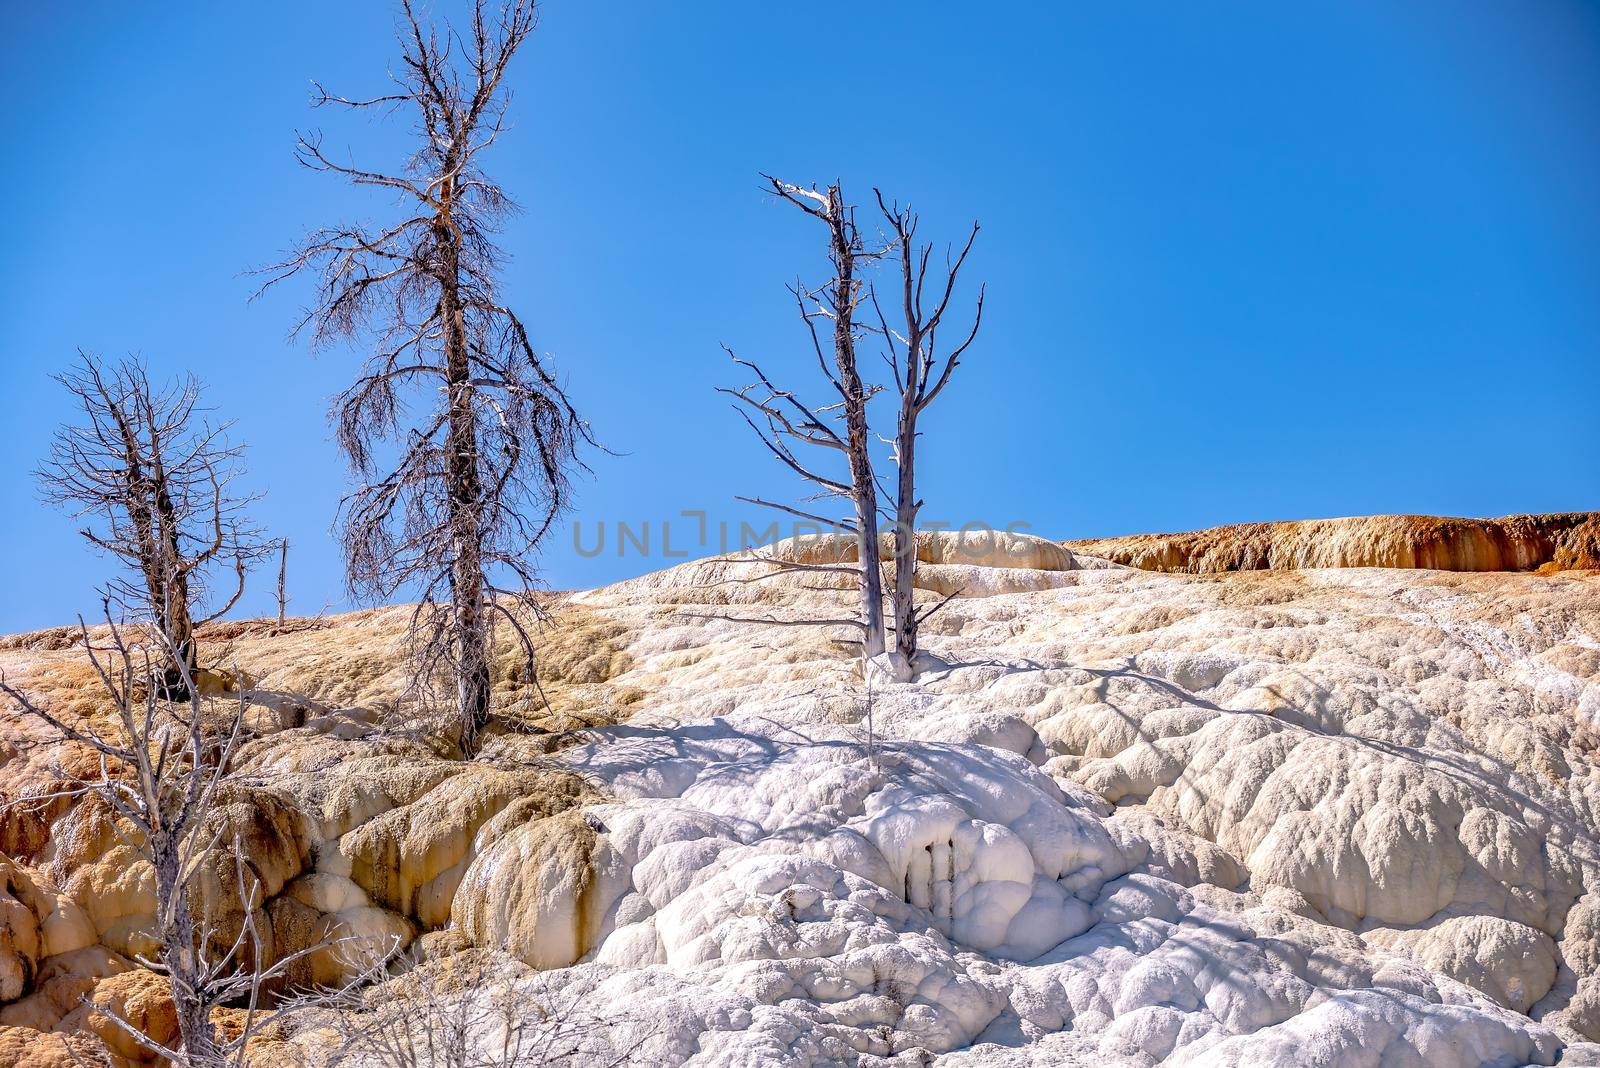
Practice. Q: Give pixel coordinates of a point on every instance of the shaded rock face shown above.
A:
(1124, 818)
(1561, 542)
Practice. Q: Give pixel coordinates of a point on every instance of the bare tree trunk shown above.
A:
(185, 648)
(903, 663)
(468, 622)
(165, 583)
(181, 956)
(148, 502)
(173, 615)
(863, 489)
(921, 372)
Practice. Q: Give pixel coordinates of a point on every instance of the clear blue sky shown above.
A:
(1245, 261)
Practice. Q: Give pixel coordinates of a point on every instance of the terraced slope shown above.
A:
(1340, 816)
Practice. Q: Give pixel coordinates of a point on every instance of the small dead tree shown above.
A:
(283, 575)
(426, 1018)
(786, 421)
(155, 481)
(921, 370)
(466, 491)
(163, 776)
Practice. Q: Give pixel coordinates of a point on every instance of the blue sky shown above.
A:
(1245, 260)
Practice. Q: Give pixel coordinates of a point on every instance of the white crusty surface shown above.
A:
(1124, 818)
(1324, 817)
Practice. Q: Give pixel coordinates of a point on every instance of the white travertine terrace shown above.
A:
(1330, 817)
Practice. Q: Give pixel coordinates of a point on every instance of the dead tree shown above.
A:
(921, 371)
(283, 574)
(162, 780)
(154, 480)
(786, 421)
(451, 501)
(433, 1019)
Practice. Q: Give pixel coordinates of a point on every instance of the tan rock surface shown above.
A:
(23, 1047)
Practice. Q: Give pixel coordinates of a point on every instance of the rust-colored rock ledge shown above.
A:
(1562, 542)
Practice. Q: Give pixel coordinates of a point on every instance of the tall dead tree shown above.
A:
(466, 491)
(162, 781)
(787, 421)
(154, 480)
(921, 371)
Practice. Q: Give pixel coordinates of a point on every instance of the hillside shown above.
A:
(1333, 815)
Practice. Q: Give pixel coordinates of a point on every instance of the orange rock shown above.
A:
(23, 1047)
(1566, 541)
(142, 999)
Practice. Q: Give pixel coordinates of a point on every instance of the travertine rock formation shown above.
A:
(1515, 543)
(1342, 817)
